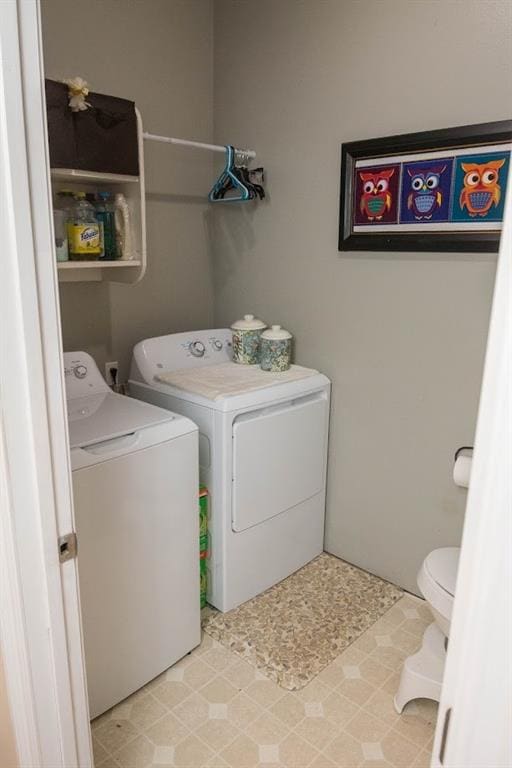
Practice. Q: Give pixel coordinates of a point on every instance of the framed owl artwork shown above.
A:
(438, 190)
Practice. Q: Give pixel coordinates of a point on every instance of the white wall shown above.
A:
(160, 55)
(402, 336)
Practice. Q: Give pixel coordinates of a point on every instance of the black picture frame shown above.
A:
(468, 136)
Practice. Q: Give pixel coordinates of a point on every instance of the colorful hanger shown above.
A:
(229, 180)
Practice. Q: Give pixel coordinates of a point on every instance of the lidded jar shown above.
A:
(276, 349)
(246, 340)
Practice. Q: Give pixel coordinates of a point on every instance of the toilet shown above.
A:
(422, 673)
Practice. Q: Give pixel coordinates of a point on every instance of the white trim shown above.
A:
(73, 174)
(70, 265)
(40, 622)
(12, 628)
(477, 684)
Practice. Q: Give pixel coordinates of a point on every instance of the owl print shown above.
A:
(481, 188)
(426, 195)
(426, 191)
(376, 198)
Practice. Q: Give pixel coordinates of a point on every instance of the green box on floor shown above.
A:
(203, 542)
(203, 519)
(203, 580)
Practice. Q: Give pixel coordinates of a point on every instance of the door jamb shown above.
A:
(40, 631)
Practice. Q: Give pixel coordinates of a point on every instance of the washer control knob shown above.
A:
(80, 371)
(217, 344)
(197, 348)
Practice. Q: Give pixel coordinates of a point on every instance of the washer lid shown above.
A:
(104, 416)
(442, 565)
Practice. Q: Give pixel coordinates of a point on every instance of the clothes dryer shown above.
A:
(262, 455)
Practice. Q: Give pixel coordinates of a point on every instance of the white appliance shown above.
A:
(135, 487)
(262, 455)
(423, 671)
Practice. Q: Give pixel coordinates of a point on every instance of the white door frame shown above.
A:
(40, 633)
(477, 686)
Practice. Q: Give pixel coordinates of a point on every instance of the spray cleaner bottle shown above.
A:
(123, 228)
(105, 213)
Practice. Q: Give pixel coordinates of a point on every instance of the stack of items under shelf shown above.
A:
(203, 541)
(90, 227)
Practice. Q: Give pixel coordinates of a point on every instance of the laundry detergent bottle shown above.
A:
(83, 231)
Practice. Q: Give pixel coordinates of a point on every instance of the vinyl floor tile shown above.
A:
(214, 710)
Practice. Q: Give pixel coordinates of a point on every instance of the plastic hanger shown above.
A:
(229, 179)
(252, 179)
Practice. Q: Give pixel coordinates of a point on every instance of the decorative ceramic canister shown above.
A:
(276, 349)
(246, 340)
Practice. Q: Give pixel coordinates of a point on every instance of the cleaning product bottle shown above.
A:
(91, 198)
(83, 231)
(66, 201)
(61, 215)
(61, 237)
(123, 229)
(105, 213)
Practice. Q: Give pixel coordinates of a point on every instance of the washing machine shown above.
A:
(262, 455)
(135, 488)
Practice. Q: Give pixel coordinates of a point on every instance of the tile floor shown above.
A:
(212, 710)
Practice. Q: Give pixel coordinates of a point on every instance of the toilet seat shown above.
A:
(422, 673)
(437, 578)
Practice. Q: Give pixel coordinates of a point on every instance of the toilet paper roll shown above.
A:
(462, 471)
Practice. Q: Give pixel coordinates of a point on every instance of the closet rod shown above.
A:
(198, 144)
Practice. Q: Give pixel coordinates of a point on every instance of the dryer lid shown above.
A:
(442, 565)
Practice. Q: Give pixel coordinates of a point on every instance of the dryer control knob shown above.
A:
(197, 348)
(217, 344)
(80, 371)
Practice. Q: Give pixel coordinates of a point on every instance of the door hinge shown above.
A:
(68, 546)
(444, 735)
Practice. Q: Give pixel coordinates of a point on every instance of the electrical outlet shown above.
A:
(114, 365)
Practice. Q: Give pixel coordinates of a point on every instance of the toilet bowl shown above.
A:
(436, 581)
(422, 673)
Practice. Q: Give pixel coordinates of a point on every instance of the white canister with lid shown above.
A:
(276, 349)
(246, 340)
